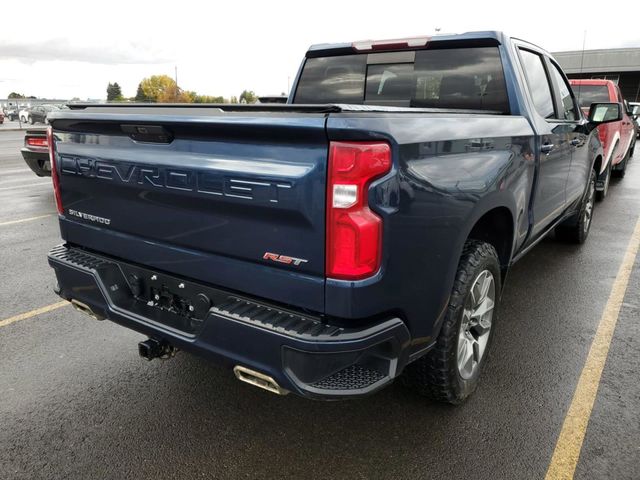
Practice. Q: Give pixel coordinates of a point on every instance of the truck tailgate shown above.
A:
(235, 200)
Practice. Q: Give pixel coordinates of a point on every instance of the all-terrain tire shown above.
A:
(621, 171)
(576, 229)
(436, 374)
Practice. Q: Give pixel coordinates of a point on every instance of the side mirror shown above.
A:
(600, 113)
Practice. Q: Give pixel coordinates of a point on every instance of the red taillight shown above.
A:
(354, 232)
(54, 170)
(37, 142)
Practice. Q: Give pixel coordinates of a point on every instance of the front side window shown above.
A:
(566, 98)
(538, 83)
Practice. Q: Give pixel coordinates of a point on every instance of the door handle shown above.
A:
(546, 148)
(575, 142)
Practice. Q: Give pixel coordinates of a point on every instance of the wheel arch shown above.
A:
(496, 227)
(597, 164)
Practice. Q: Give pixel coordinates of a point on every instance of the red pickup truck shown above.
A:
(618, 138)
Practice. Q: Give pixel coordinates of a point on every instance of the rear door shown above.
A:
(554, 143)
(236, 200)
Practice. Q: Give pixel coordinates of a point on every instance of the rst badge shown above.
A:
(276, 257)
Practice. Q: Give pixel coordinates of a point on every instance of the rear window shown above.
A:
(588, 94)
(461, 78)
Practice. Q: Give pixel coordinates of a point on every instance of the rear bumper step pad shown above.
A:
(301, 352)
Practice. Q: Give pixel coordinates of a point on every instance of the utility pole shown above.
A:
(175, 99)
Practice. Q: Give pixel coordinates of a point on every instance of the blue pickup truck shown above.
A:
(361, 232)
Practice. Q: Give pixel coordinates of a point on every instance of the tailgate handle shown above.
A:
(148, 133)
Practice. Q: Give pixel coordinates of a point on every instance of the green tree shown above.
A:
(248, 96)
(15, 95)
(208, 99)
(140, 96)
(114, 92)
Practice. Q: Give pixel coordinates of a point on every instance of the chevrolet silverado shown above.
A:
(360, 233)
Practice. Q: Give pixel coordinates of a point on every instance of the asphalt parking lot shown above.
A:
(13, 124)
(76, 401)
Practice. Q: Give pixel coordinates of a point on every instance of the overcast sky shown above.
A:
(67, 49)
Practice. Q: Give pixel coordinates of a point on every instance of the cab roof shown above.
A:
(482, 38)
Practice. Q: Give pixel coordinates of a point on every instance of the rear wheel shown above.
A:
(31, 121)
(450, 371)
(576, 229)
(621, 171)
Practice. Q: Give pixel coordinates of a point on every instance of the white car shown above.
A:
(24, 113)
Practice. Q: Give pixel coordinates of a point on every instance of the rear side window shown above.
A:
(588, 94)
(472, 78)
(332, 80)
(460, 78)
(538, 83)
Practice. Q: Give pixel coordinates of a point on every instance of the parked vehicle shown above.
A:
(635, 112)
(328, 245)
(273, 99)
(24, 114)
(11, 112)
(39, 113)
(618, 138)
(36, 152)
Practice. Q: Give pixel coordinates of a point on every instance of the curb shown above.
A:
(12, 129)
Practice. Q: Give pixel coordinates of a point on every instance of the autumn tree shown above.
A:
(185, 96)
(158, 88)
(163, 89)
(114, 92)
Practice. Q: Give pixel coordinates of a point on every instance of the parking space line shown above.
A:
(17, 181)
(22, 220)
(15, 187)
(567, 451)
(33, 313)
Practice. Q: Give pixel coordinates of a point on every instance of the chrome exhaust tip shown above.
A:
(258, 379)
(86, 309)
